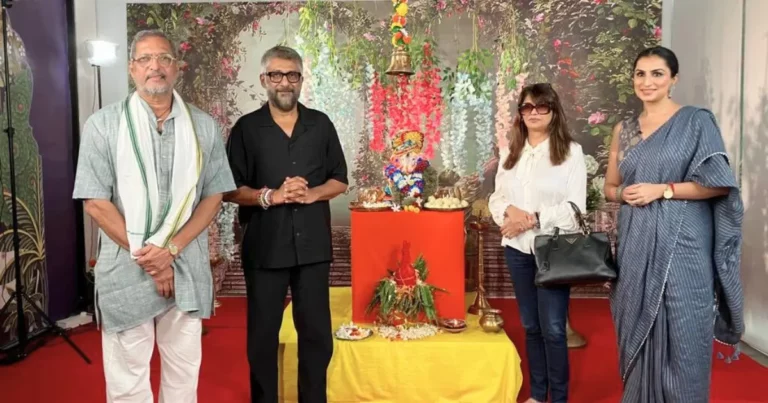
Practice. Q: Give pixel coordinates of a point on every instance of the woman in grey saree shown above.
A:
(678, 248)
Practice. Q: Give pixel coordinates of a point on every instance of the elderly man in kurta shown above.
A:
(152, 170)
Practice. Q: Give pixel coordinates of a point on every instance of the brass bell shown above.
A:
(400, 64)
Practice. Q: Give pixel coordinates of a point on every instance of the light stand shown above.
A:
(100, 53)
(22, 348)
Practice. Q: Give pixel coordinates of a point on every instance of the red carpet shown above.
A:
(55, 373)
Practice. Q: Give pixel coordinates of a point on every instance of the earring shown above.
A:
(672, 88)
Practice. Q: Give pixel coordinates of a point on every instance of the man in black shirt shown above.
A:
(287, 163)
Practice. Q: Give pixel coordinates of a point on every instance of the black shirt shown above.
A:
(261, 154)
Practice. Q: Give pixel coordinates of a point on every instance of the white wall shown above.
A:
(754, 174)
(707, 36)
(86, 28)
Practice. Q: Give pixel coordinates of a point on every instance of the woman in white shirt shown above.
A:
(538, 175)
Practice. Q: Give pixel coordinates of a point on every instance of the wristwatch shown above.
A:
(669, 191)
(173, 249)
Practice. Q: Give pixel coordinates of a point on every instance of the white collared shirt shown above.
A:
(535, 185)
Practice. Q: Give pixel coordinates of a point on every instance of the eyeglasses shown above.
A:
(277, 76)
(541, 109)
(163, 59)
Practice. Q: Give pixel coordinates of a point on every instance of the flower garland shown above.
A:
(404, 333)
(376, 119)
(226, 222)
(482, 105)
(408, 101)
(503, 114)
(416, 105)
(409, 185)
(428, 101)
(446, 153)
(400, 36)
(307, 84)
(398, 101)
(459, 103)
(333, 94)
(505, 99)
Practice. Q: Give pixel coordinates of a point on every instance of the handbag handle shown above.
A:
(580, 218)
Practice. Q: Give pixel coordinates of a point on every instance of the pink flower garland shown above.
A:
(408, 105)
(432, 109)
(504, 104)
(377, 96)
(503, 115)
(415, 105)
(395, 110)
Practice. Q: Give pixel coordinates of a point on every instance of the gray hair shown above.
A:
(281, 52)
(151, 33)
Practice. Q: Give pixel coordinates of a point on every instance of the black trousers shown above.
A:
(266, 291)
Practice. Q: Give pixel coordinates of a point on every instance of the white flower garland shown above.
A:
(226, 222)
(482, 104)
(462, 91)
(405, 333)
(333, 94)
(445, 145)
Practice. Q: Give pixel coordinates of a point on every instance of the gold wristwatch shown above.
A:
(173, 249)
(669, 191)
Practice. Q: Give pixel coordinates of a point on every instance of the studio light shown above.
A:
(101, 53)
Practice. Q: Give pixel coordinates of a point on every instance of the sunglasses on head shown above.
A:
(527, 108)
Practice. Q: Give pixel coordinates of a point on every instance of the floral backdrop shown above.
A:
(470, 58)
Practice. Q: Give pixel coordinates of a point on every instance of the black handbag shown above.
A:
(574, 259)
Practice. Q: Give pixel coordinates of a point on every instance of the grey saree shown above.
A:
(678, 286)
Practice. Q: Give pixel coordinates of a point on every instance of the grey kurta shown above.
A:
(677, 259)
(126, 296)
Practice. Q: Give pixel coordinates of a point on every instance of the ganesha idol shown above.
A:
(410, 177)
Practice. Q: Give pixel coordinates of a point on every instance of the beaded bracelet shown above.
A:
(262, 198)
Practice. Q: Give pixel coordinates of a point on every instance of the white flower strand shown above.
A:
(482, 104)
(405, 333)
(226, 222)
(332, 94)
(445, 145)
(461, 93)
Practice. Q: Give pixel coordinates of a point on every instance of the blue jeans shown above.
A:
(543, 312)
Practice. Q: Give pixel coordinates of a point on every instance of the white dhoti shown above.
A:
(127, 355)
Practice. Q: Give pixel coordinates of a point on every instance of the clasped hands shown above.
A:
(641, 194)
(516, 222)
(156, 261)
(295, 190)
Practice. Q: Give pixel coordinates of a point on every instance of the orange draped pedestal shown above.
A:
(377, 240)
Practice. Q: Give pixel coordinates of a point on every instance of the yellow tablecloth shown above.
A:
(472, 366)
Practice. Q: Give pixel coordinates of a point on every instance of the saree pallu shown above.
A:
(678, 264)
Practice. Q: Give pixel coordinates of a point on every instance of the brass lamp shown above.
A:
(481, 304)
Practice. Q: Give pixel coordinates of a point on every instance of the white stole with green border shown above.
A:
(146, 221)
